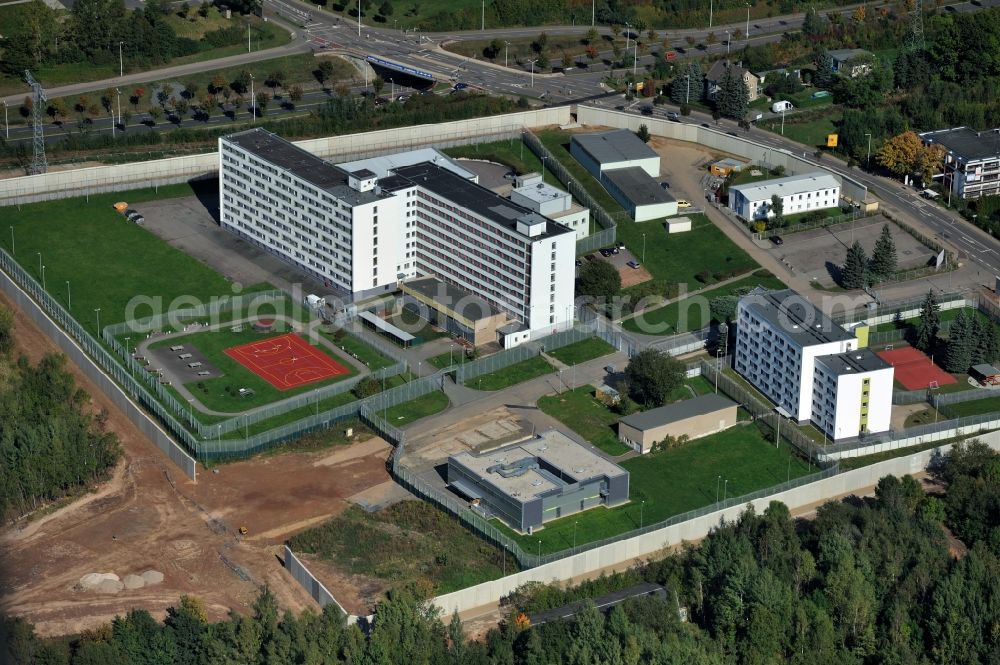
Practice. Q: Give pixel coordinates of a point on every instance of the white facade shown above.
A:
(362, 233)
(851, 394)
(794, 354)
(801, 193)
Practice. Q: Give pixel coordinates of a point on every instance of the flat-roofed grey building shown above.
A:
(972, 160)
(695, 417)
(532, 482)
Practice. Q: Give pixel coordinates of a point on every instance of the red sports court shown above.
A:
(913, 369)
(286, 361)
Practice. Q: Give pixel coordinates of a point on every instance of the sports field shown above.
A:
(286, 361)
(913, 369)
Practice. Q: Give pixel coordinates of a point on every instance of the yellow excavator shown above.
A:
(243, 531)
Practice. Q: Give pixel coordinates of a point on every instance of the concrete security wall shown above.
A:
(121, 177)
(717, 140)
(312, 585)
(650, 543)
(913, 313)
(111, 389)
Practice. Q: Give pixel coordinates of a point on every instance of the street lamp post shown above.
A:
(574, 534)
(729, 41)
(718, 482)
(118, 92)
(113, 128)
(782, 121)
(43, 279)
(253, 101)
(506, 48)
(12, 241)
(6, 127)
(98, 312)
(248, 38)
(593, 12)
(359, 22)
(642, 506)
(121, 61)
(725, 489)
(711, 10)
(868, 159)
(532, 72)
(687, 97)
(643, 247)
(482, 25)
(718, 368)
(39, 261)
(747, 33)
(635, 56)
(544, 157)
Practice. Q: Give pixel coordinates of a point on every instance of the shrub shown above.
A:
(705, 277)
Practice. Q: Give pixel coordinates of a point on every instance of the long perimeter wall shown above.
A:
(77, 355)
(120, 177)
(648, 544)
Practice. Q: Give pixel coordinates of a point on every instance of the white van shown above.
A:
(778, 107)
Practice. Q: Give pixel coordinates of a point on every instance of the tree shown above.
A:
(854, 273)
(987, 345)
(930, 161)
(591, 36)
(733, 98)
(688, 85)
(385, 9)
(652, 375)
(814, 25)
(823, 76)
(276, 79)
(883, 263)
(643, 133)
(961, 345)
(598, 279)
(262, 100)
(295, 93)
(156, 113)
(778, 208)
(378, 83)
(929, 324)
(324, 70)
(901, 153)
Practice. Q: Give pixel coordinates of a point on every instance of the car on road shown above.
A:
(705, 124)
(647, 110)
(681, 203)
(672, 115)
(777, 240)
(732, 133)
(633, 264)
(461, 86)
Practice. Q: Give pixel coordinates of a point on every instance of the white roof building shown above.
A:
(383, 165)
(798, 193)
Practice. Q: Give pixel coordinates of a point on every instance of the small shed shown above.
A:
(678, 224)
(695, 417)
(605, 394)
(724, 167)
(985, 374)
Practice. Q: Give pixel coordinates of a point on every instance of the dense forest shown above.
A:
(870, 581)
(93, 32)
(50, 444)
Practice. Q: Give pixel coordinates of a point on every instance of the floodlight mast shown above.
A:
(38, 162)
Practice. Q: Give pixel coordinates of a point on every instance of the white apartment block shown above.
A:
(852, 392)
(796, 356)
(972, 161)
(364, 234)
(798, 193)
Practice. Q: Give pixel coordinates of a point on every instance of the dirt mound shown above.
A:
(152, 577)
(92, 581)
(133, 582)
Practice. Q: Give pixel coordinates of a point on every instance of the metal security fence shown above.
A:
(943, 430)
(798, 227)
(596, 240)
(909, 396)
(605, 220)
(475, 368)
(944, 399)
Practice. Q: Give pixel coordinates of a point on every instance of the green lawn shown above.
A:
(265, 36)
(582, 351)
(811, 132)
(356, 347)
(415, 409)
(677, 259)
(667, 320)
(677, 480)
(581, 412)
(221, 394)
(508, 376)
(453, 356)
(106, 260)
(973, 408)
(410, 543)
(512, 153)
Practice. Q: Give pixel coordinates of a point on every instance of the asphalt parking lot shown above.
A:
(177, 368)
(819, 253)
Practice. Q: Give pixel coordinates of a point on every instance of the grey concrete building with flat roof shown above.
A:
(532, 482)
(972, 160)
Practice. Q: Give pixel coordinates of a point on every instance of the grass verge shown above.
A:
(525, 370)
(421, 407)
(582, 351)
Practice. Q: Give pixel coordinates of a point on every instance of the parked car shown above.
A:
(579, 262)
(610, 369)
(615, 250)
(777, 240)
(621, 245)
(605, 252)
(633, 264)
(681, 203)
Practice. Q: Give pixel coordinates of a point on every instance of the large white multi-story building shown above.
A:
(798, 193)
(365, 234)
(810, 366)
(972, 160)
